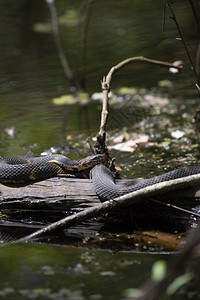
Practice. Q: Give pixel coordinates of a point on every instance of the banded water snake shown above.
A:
(105, 187)
(16, 170)
(29, 168)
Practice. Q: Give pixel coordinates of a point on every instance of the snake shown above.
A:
(31, 168)
(105, 187)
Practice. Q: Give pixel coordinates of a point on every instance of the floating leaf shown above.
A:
(177, 134)
(132, 144)
(97, 97)
(119, 139)
(127, 90)
(107, 273)
(70, 18)
(65, 99)
(128, 146)
(42, 27)
(134, 293)
(83, 98)
(165, 83)
(155, 100)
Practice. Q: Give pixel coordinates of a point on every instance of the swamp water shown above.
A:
(31, 77)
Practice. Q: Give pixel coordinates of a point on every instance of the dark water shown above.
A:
(46, 272)
(31, 76)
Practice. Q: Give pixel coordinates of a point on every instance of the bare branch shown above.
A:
(173, 17)
(107, 80)
(141, 59)
(104, 113)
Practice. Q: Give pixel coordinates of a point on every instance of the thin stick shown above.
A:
(173, 17)
(176, 207)
(125, 200)
(104, 113)
(164, 15)
(91, 145)
(107, 80)
(198, 59)
(56, 35)
(195, 15)
(198, 87)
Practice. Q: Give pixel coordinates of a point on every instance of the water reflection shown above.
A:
(58, 273)
(31, 74)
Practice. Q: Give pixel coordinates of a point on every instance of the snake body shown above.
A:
(16, 170)
(105, 187)
(30, 168)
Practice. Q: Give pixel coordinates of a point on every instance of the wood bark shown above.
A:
(69, 194)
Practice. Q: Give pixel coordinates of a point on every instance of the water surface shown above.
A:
(31, 76)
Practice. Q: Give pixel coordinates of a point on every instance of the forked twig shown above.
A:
(107, 80)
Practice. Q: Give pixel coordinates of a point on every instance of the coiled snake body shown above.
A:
(105, 187)
(17, 170)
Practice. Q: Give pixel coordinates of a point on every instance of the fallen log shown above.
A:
(55, 193)
(42, 200)
(118, 203)
(69, 194)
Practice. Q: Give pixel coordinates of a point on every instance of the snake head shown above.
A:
(78, 165)
(91, 161)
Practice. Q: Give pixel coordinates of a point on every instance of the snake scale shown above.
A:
(105, 187)
(30, 168)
